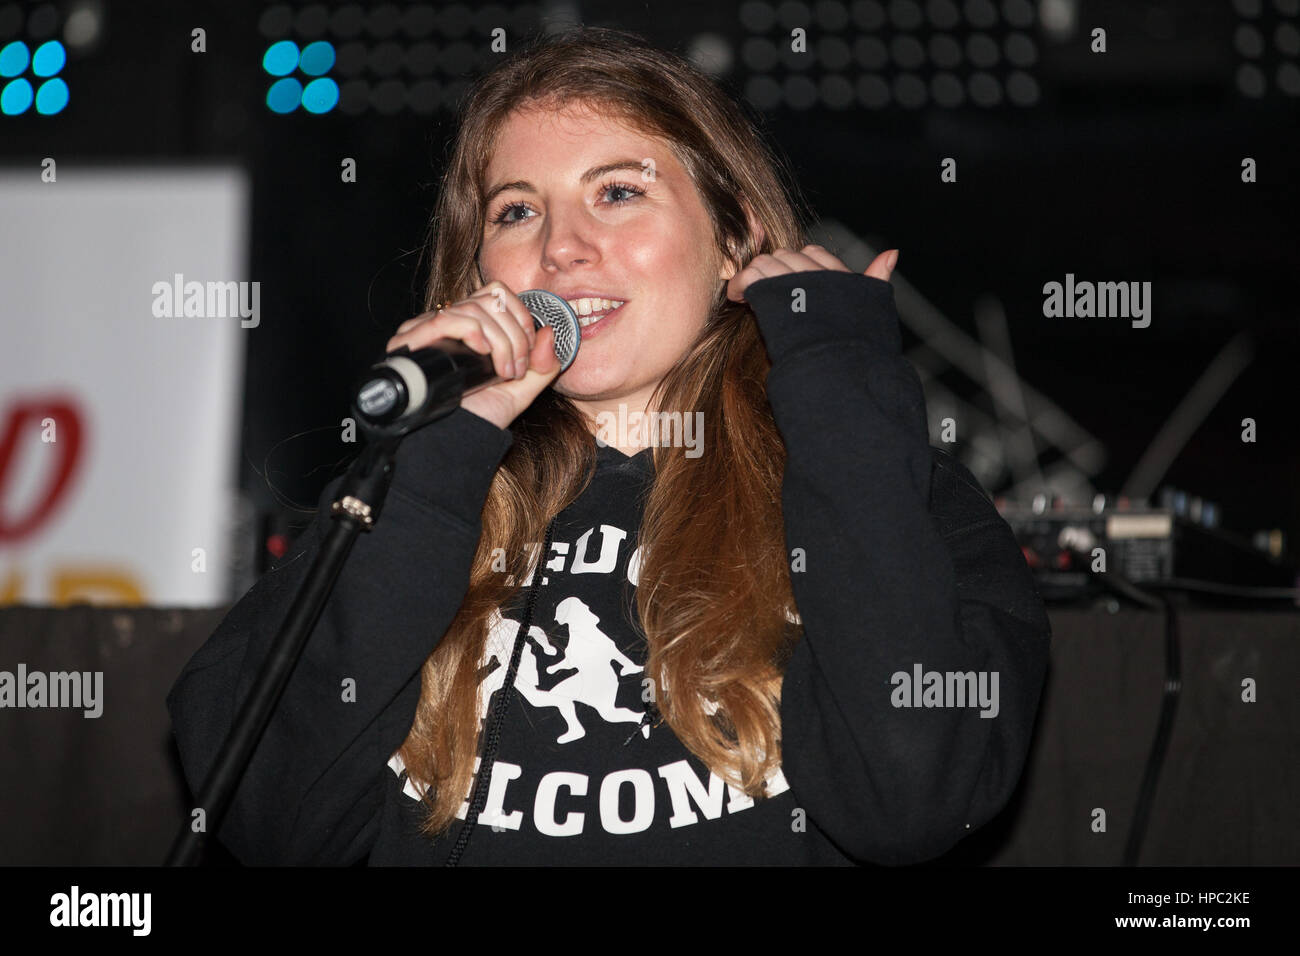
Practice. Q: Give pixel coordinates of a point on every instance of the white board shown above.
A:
(130, 501)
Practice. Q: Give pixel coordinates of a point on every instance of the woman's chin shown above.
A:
(590, 385)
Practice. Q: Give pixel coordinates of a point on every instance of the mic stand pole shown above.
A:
(361, 498)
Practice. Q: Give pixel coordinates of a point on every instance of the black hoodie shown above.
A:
(906, 708)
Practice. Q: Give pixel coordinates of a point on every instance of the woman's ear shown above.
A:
(755, 227)
(757, 234)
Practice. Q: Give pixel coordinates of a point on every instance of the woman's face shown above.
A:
(637, 234)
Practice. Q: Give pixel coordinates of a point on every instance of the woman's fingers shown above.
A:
(498, 333)
(794, 262)
(809, 259)
(410, 324)
(882, 267)
(503, 402)
(446, 325)
(501, 301)
(760, 267)
(506, 309)
(477, 323)
(542, 359)
(824, 258)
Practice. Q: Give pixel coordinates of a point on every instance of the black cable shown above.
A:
(1164, 731)
(1229, 590)
(496, 716)
(1173, 686)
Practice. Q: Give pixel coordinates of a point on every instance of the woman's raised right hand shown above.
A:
(492, 320)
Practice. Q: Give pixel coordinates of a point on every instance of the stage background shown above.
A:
(1118, 166)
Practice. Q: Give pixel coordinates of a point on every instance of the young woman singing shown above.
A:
(585, 631)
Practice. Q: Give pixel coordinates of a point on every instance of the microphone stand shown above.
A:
(361, 498)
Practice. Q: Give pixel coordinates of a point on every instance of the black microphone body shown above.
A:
(410, 389)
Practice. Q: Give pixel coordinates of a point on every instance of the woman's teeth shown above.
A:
(592, 310)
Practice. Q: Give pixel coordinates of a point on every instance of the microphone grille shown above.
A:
(547, 308)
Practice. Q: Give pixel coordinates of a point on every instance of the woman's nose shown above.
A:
(568, 238)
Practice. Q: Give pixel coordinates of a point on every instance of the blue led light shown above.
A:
(284, 95)
(15, 99)
(320, 96)
(13, 58)
(52, 97)
(317, 58)
(49, 58)
(281, 58)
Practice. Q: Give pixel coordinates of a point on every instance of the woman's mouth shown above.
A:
(593, 314)
(591, 311)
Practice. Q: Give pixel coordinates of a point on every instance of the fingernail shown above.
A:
(893, 260)
(521, 366)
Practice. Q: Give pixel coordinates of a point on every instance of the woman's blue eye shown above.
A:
(502, 218)
(620, 187)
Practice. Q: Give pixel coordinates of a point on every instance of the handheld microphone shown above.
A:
(409, 389)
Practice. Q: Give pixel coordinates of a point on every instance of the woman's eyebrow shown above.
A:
(592, 174)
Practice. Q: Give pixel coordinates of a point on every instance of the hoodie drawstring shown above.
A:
(497, 713)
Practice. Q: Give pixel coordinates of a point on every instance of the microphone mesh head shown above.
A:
(547, 308)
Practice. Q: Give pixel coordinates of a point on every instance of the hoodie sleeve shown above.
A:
(900, 578)
(314, 788)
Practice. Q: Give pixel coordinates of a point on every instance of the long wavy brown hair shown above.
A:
(713, 596)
